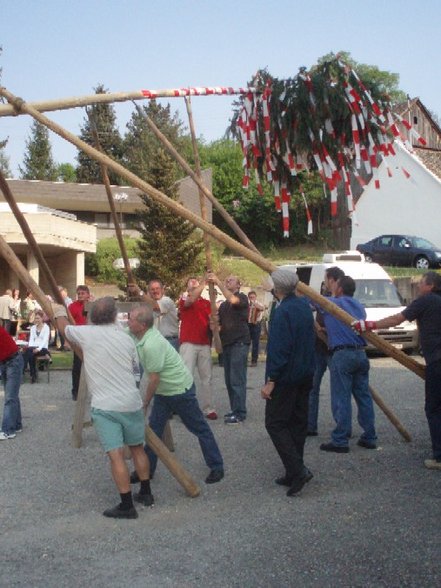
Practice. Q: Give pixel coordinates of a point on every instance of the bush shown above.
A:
(99, 265)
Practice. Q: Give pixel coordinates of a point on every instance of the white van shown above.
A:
(375, 290)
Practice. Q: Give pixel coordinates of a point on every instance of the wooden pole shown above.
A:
(390, 415)
(19, 216)
(81, 101)
(15, 264)
(198, 181)
(217, 234)
(175, 468)
(106, 182)
(207, 245)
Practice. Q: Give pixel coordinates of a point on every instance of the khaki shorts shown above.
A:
(116, 429)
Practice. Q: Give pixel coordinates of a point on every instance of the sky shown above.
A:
(55, 49)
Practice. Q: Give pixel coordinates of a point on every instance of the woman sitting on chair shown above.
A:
(38, 344)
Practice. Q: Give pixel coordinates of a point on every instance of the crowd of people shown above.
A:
(171, 343)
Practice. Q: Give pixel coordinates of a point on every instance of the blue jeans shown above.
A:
(349, 369)
(255, 330)
(321, 363)
(11, 373)
(235, 373)
(186, 406)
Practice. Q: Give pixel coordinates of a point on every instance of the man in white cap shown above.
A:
(289, 373)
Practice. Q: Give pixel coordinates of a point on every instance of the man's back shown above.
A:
(109, 360)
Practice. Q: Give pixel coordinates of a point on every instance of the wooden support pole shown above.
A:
(217, 234)
(15, 264)
(175, 468)
(19, 216)
(390, 415)
(198, 181)
(207, 245)
(106, 182)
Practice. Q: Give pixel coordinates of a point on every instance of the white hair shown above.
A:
(285, 281)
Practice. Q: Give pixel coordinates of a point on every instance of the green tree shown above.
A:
(99, 265)
(170, 247)
(101, 118)
(66, 173)
(255, 213)
(4, 161)
(38, 163)
(141, 145)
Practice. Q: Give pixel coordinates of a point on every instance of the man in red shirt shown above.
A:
(195, 340)
(79, 314)
(11, 369)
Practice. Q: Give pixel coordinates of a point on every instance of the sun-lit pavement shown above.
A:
(368, 518)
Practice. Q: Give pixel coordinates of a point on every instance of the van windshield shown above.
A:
(377, 293)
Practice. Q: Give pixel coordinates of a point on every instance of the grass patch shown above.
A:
(62, 360)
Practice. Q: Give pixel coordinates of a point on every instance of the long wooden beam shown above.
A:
(216, 233)
(81, 101)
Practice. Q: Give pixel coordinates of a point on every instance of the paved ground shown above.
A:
(369, 518)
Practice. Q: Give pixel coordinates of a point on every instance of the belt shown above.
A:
(10, 357)
(339, 347)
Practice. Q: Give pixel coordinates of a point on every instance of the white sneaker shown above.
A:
(4, 436)
(432, 464)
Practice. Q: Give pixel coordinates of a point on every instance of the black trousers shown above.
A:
(76, 373)
(286, 420)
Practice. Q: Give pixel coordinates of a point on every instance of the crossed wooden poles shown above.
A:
(247, 250)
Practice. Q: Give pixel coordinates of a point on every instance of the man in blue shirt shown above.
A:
(289, 372)
(426, 310)
(349, 370)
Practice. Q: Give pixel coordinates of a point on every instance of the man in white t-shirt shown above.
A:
(109, 359)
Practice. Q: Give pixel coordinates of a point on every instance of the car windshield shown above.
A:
(423, 243)
(377, 293)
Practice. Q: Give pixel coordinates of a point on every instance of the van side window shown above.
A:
(304, 274)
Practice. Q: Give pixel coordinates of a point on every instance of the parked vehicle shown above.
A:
(375, 290)
(402, 250)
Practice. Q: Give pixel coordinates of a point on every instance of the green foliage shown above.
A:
(99, 265)
(66, 173)
(141, 145)
(4, 161)
(38, 161)
(255, 213)
(170, 248)
(102, 119)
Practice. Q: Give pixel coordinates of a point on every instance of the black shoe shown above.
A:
(134, 478)
(284, 481)
(145, 499)
(298, 484)
(334, 448)
(288, 480)
(311, 434)
(117, 512)
(366, 444)
(228, 414)
(214, 476)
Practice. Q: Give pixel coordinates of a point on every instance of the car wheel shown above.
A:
(368, 257)
(421, 262)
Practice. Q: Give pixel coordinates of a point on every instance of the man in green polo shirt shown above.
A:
(171, 386)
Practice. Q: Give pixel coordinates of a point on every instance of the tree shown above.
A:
(141, 145)
(256, 214)
(170, 247)
(66, 173)
(4, 161)
(38, 161)
(101, 117)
